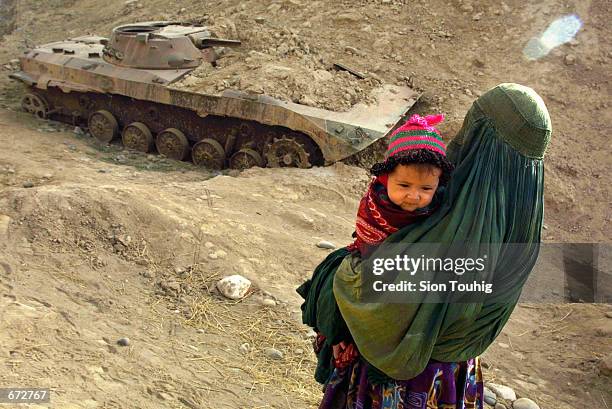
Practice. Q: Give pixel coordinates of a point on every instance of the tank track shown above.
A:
(214, 142)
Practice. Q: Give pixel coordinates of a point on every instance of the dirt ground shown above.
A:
(97, 244)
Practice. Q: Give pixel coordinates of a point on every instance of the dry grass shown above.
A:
(260, 327)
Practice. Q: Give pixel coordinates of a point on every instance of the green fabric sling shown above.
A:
(495, 197)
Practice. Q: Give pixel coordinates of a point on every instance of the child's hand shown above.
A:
(344, 354)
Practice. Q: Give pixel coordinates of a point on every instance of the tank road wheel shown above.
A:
(286, 152)
(103, 126)
(172, 143)
(138, 137)
(246, 158)
(208, 153)
(36, 105)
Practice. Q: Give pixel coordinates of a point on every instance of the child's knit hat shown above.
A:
(417, 133)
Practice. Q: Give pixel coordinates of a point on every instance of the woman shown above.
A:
(425, 355)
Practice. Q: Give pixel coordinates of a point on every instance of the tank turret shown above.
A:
(162, 45)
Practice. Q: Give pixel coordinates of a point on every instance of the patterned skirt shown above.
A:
(442, 385)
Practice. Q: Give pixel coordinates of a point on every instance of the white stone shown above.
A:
(268, 302)
(524, 403)
(489, 397)
(273, 353)
(502, 391)
(234, 287)
(324, 244)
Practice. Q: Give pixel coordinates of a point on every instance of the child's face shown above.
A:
(413, 186)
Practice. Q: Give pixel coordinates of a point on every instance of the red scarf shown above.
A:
(378, 217)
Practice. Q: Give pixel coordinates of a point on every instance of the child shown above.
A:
(403, 188)
(402, 191)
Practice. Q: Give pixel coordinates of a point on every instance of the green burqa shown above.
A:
(495, 197)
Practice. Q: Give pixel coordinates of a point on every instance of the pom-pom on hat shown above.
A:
(417, 133)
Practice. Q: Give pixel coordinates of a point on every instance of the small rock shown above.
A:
(200, 331)
(78, 131)
(609, 314)
(489, 397)
(121, 158)
(352, 50)
(605, 366)
(306, 100)
(245, 348)
(147, 274)
(234, 287)
(10, 171)
(164, 396)
(282, 49)
(170, 286)
(123, 342)
(103, 171)
(221, 253)
(299, 351)
(524, 403)
(502, 391)
(273, 353)
(477, 16)
(570, 59)
(47, 176)
(502, 345)
(468, 92)
(28, 184)
(260, 20)
(467, 8)
(233, 173)
(323, 244)
(268, 302)
(213, 256)
(322, 75)
(209, 245)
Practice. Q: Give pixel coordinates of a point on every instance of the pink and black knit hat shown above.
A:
(417, 133)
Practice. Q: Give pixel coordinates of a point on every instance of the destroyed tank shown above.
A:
(122, 88)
